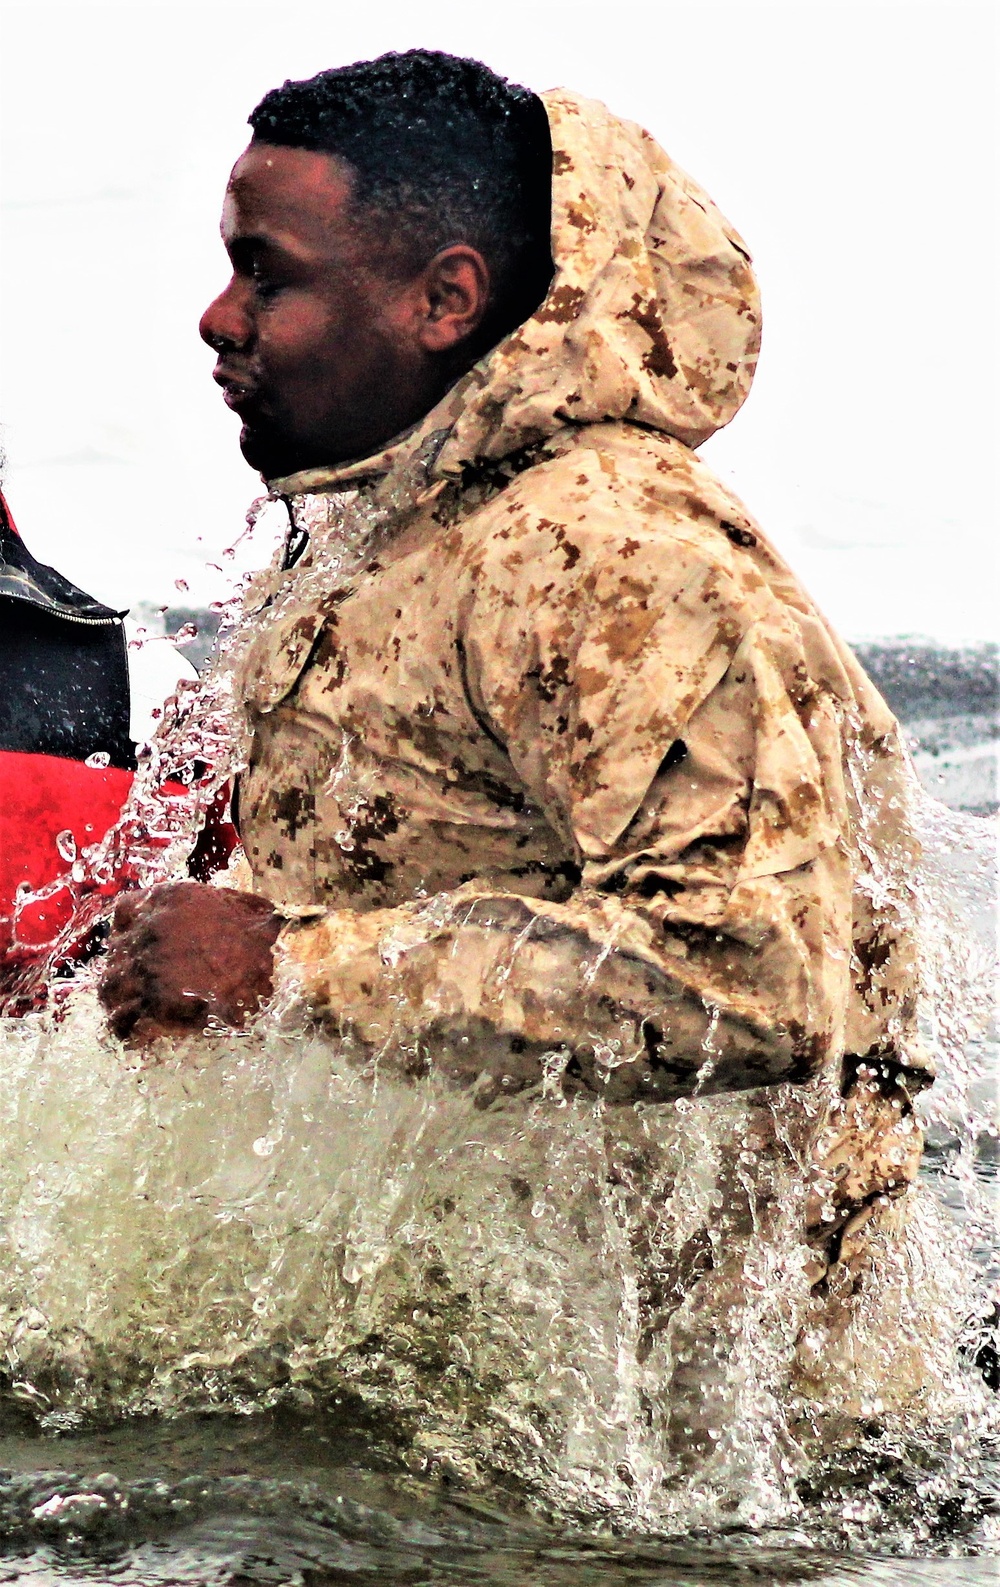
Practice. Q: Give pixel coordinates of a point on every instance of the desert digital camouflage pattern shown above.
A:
(557, 770)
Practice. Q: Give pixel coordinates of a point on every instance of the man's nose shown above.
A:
(226, 323)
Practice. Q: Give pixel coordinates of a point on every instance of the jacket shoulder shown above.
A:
(606, 501)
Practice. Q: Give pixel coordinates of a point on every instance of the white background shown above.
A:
(853, 146)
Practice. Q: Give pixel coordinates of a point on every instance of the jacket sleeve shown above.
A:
(659, 715)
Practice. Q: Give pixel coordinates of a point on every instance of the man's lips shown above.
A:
(238, 393)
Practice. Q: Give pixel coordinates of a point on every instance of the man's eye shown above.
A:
(264, 286)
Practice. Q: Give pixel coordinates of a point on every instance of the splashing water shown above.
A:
(603, 1313)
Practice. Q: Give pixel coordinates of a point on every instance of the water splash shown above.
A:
(610, 1310)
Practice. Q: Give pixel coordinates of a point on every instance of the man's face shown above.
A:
(316, 347)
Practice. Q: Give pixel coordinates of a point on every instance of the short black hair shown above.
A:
(444, 145)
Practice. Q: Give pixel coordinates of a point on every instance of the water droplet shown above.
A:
(66, 844)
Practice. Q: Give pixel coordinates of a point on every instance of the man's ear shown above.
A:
(456, 294)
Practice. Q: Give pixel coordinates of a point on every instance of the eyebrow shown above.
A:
(245, 245)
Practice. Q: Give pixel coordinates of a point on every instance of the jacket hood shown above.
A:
(652, 314)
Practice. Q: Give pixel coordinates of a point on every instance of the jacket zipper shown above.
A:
(66, 617)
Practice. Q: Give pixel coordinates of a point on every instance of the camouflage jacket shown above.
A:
(554, 763)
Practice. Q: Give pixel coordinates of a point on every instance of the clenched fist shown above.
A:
(183, 954)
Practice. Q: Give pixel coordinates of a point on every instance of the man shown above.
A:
(555, 772)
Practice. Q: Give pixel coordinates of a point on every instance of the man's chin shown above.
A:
(276, 456)
(266, 453)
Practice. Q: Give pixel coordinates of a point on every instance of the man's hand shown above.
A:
(183, 954)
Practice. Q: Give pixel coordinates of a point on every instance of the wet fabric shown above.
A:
(558, 768)
(64, 697)
(69, 691)
(64, 685)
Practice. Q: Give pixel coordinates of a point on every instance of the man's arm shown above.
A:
(495, 989)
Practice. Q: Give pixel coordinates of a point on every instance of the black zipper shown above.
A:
(64, 616)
